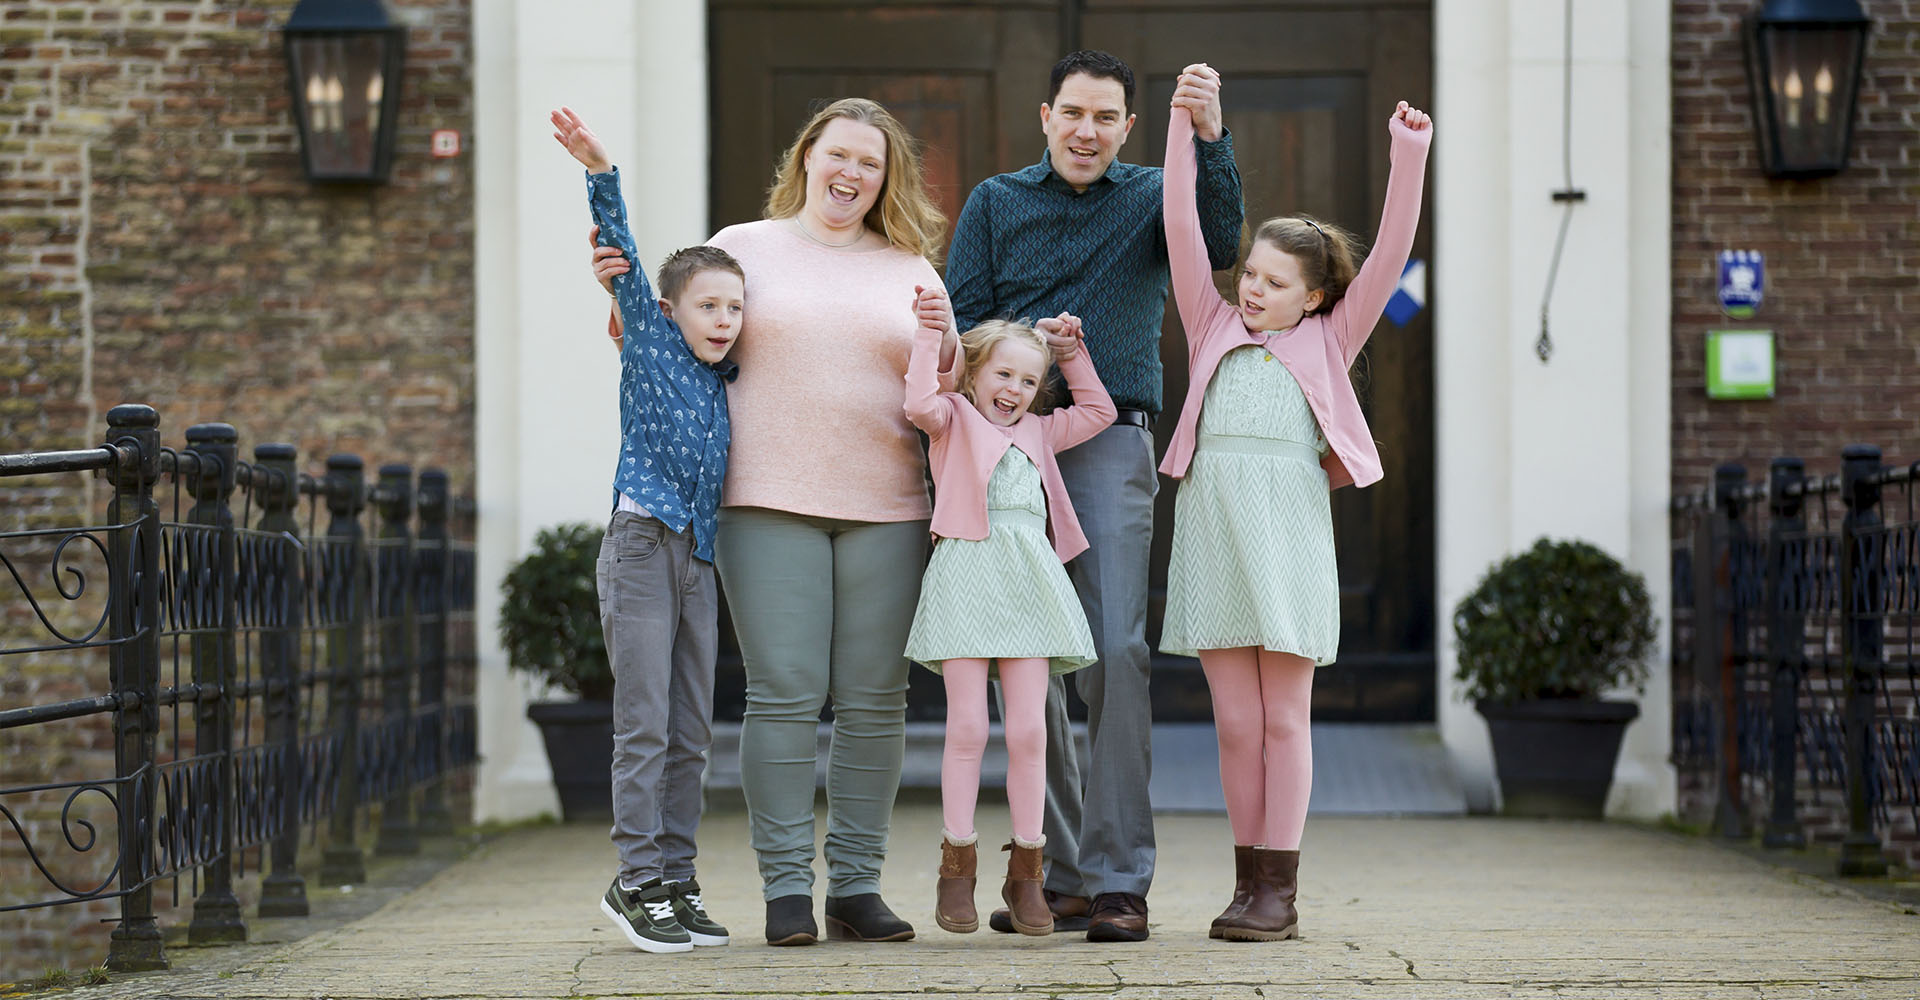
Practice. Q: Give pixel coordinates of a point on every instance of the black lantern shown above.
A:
(1803, 66)
(343, 63)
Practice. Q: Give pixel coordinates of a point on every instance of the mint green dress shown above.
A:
(1252, 561)
(1006, 595)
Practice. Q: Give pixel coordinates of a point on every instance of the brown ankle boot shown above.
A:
(1026, 905)
(1242, 888)
(1269, 914)
(953, 896)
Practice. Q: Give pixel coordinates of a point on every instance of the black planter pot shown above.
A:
(1555, 757)
(579, 738)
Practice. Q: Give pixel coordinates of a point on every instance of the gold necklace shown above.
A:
(862, 234)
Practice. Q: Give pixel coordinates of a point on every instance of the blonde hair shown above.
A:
(904, 213)
(977, 344)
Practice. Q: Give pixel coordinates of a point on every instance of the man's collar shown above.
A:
(1047, 173)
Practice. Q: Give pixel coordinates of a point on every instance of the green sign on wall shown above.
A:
(1740, 364)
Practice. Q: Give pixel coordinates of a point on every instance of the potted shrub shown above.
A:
(1544, 635)
(550, 627)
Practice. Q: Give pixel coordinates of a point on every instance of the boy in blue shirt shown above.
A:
(659, 607)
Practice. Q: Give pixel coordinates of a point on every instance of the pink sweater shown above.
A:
(817, 427)
(965, 446)
(1320, 348)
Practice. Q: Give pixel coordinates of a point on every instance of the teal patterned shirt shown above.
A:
(1029, 246)
(673, 406)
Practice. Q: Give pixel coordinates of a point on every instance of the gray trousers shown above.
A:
(822, 608)
(659, 613)
(1099, 823)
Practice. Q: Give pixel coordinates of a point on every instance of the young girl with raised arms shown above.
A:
(1271, 423)
(995, 599)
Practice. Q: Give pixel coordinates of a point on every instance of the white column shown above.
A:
(548, 416)
(1575, 447)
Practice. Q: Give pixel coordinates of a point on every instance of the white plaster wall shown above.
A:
(1576, 447)
(548, 417)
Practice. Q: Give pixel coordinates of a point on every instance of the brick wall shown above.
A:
(160, 244)
(1842, 256)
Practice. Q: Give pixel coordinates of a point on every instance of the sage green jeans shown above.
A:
(822, 608)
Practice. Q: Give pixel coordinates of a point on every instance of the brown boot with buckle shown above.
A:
(1269, 914)
(1242, 888)
(1026, 906)
(953, 896)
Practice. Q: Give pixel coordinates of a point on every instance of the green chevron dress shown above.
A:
(1005, 595)
(1252, 561)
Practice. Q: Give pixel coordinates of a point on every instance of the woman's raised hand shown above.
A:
(576, 138)
(1412, 117)
(606, 261)
(931, 308)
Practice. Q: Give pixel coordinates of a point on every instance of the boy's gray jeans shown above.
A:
(659, 613)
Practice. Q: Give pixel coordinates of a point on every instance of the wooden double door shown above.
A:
(1307, 92)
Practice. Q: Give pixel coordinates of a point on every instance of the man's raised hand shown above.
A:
(1198, 90)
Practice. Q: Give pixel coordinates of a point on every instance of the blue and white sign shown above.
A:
(1411, 296)
(1743, 279)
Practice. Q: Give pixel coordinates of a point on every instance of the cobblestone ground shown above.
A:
(1390, 908)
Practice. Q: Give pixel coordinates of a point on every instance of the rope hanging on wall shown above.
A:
(1568, 195)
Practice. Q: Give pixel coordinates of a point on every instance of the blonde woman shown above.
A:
(824, 517)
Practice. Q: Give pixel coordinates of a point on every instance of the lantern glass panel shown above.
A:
(339, 83)
(1812, 74)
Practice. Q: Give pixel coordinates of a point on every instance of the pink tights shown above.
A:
(1024, 682)
(1262, 701)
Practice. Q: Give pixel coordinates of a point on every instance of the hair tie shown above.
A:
(1316, 228)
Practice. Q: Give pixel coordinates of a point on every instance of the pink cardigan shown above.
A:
(965, 445)
(1320, 348)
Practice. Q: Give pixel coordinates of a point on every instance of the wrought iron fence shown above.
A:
(1795, 663)
(266, 673)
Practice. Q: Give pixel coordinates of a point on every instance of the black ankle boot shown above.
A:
(864, 918)
(790, 921)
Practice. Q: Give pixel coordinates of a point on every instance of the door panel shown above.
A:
(1307, 93)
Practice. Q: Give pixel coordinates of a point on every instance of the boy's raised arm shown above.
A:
(633, 293)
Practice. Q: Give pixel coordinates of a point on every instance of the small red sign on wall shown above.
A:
(446, 143)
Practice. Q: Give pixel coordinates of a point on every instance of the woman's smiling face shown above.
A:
(846, 170)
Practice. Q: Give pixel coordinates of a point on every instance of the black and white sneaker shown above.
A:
(691, 911)
(645, 916)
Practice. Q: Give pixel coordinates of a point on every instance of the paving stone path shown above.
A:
(1390, 908)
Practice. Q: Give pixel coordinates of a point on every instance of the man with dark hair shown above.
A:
(1079, 232)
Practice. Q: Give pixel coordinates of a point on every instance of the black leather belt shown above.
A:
(1138, 418)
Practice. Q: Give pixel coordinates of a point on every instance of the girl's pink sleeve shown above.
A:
(924, 405)
(1092, 410)
(1193, 289)
(1355, 315)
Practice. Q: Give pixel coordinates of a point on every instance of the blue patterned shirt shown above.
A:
(1029, 246)
(673, 406)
